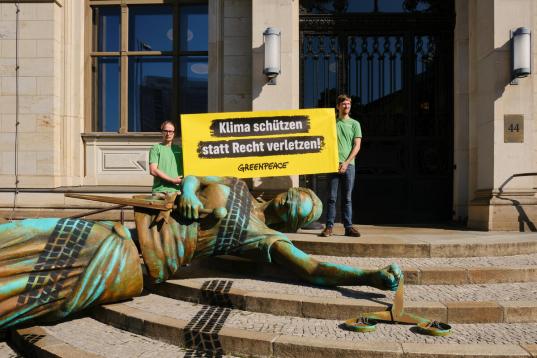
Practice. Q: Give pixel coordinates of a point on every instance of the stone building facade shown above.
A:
(60, 145)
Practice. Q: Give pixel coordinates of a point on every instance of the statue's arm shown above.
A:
(189, 203)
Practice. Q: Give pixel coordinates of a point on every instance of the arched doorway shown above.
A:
(395, 59)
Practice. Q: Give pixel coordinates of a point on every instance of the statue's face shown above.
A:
(293, 213)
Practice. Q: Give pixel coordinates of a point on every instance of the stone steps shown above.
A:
(38, 342)
(247, 333)
(418, 271)
(491, 303)
(89, 338)
(6, 351)
(483, 284)
(420, 243)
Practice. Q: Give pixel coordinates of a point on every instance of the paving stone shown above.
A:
(106, 341)
(417, 242)
(464, 312)
(273, 303)
(499, 333)
(7, 352)
(519, 311)
(531, 348)
(413, 293)
(442, 275)
(464, 350)
(37, 342)
(291, 346)
(502, 269)
(336, 308)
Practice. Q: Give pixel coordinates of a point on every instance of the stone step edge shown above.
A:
(346, 308)
(360, 248)
(427, 275)
(37, 342)
(243, 342)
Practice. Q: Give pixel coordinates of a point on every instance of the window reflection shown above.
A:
(107, 84)
(320, 66)
(161, 85)
(150, 28)
(193, 28)
(150, 92)
(193, 84)
(375, 67)
(368, 6)
(108, 35)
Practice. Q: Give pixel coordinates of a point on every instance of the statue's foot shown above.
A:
(388, 278)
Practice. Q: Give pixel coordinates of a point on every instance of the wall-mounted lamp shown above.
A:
(271, 69)
(521, 53)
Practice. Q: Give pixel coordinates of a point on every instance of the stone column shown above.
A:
(499, 199)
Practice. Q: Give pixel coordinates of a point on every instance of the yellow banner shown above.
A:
(260, 144)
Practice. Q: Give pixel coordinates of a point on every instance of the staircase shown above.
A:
(484, 284)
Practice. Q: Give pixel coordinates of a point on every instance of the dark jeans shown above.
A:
(347, 180)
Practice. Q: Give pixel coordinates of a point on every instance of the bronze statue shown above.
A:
(50, 268)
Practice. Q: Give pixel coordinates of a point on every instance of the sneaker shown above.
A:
(326, 232)
(352, 232)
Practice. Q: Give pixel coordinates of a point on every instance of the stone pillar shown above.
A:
(461, 112)
(499, 199)
(283, 14)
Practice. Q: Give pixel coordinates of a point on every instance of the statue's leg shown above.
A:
(330, 274)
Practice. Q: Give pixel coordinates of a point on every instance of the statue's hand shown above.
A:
(280, 200)
(189, 206)
(389, 277)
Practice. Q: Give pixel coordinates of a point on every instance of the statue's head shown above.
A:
(296, 208)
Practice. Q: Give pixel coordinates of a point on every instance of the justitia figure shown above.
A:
(51, 268)
(241, 230)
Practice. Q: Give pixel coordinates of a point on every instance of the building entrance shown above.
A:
(395, 59)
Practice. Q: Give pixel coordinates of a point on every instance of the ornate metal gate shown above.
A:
(396, 62)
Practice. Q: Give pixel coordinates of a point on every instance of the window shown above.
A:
(149, 63)
(373, 6)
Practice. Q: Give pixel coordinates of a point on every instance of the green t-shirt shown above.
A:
(347, 130)
(170, 161)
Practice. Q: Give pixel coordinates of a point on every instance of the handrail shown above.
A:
(500, 188)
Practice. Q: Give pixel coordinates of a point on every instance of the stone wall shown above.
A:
(39, 148)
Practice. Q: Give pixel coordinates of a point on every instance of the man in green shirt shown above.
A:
(349, 138)
(166, 162)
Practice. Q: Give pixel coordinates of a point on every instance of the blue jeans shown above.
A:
(347, 180)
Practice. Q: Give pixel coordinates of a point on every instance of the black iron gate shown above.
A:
(398, 69)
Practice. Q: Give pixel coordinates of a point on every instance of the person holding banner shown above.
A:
(166, 162)
(349, 138)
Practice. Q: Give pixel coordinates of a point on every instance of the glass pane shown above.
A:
(107, 94)
(150, 92)
(335, 6)
(193, 28)
(193, 84)
(107, 19)
(375, 67)
(320, 66)
(396, 5)
(365, 6)
(427, 119)
(150, 28)
(375, 83)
